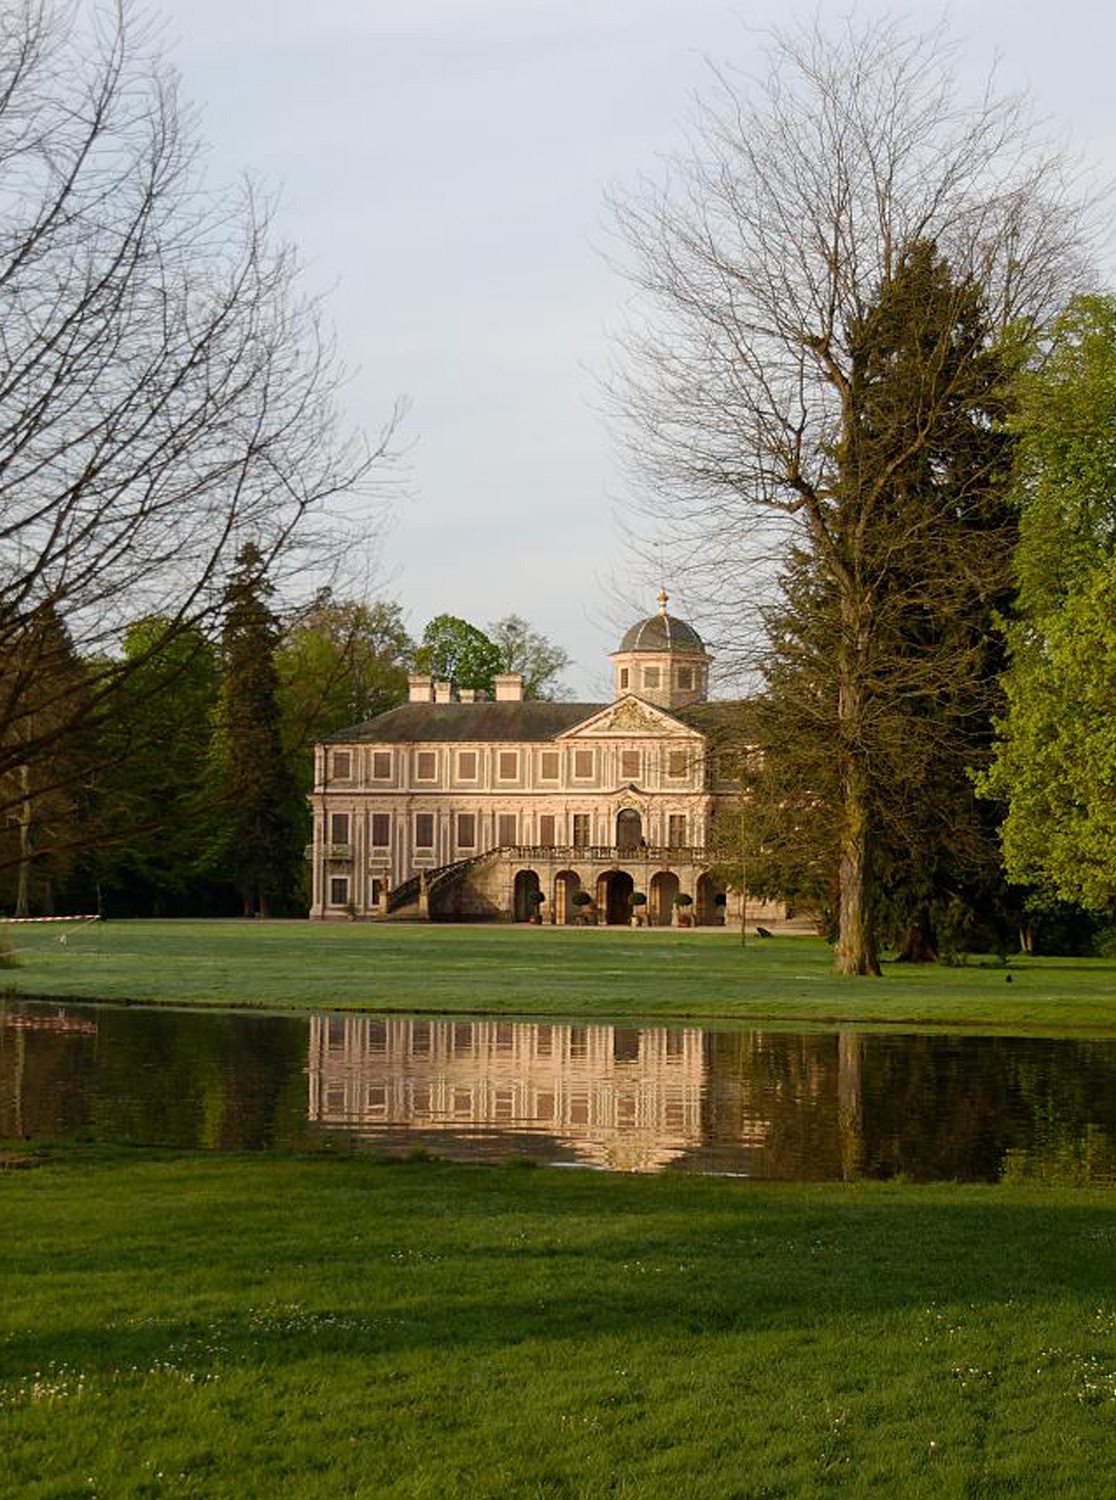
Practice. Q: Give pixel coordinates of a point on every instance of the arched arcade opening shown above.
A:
(526, 889)
(614, 897)
(664, 888)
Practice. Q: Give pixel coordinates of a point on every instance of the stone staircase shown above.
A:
(406, 902)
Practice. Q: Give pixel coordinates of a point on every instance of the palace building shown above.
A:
(457, 806)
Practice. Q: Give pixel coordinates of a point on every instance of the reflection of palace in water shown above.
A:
(633, 1100)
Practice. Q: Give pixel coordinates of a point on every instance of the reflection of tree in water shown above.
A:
(43, 1077)
(779, 1105)
(166, 1078)
(775, 1094)
(945, 1107)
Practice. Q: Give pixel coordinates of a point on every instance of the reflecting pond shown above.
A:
(772, 1104)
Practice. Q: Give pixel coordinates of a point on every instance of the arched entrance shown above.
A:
(526, 887)
(664, 888)
(710, 913)
(567, 883)
(629, 829)
(614, 897)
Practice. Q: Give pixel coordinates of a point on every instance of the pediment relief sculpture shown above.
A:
(630, 716)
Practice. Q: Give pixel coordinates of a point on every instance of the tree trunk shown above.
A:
(918, 941)
(23, 878)
(856, 944)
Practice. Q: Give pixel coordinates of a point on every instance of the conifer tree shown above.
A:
(256, 847)
(923, 530)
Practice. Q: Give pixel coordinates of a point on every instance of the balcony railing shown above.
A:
(654, 854)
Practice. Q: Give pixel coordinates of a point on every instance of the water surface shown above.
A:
(806, 1106)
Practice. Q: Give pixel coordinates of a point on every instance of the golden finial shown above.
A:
(663, 597)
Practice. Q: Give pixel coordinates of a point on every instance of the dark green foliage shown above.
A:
(153, 807)
(48, 749)
(895, 614)
(256, 845)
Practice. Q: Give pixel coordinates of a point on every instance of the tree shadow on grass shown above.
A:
(540, 1272)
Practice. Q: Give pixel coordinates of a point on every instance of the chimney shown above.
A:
(421, 689)
(509, 687)
(443, 692)
(467, 695)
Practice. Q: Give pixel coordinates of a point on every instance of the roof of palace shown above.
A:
(531, 719)
(527, 720)
(662, 632)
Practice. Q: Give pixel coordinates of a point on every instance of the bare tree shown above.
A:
(168, 392)
(758, 266)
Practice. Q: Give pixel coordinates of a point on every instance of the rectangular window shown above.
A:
(508, 765)
(467, 765)
(685, 678)
(506, 829)
(339, 828)
(629, 765)
(426, 765)
(381, 830)
(381, 765)
(583, 765)
(546, 831)
(676, 830)
(676, 763)
(623, 677)
(650, 677)
(341, 765)
(377, 891)
(466, 831)
(548, 769)
(338, 890)
(581, 830)
(424, 830)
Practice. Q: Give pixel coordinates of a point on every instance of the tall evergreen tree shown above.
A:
(257, 846)
(922, 535)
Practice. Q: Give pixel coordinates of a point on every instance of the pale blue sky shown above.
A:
(443, 166)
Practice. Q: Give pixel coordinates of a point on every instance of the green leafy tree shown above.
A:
(1055, 764)
(452, 650)
(341, 662)
(152, 798)
(257, 846)
(525, 651)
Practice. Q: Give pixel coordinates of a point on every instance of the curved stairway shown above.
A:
(405, 901)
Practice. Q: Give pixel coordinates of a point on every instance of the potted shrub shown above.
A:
(583, 901)
(682, 904)
(639, 901)
(535, 900)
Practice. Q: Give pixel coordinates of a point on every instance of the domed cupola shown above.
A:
(663, 660)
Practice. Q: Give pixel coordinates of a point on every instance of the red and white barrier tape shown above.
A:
(20, 921)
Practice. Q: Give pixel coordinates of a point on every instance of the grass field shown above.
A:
(595, 974)
(238, 1327)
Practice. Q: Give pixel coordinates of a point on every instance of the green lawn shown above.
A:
(595, 974)
(238, 1327)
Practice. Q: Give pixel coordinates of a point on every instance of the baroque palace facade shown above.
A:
(457, 806)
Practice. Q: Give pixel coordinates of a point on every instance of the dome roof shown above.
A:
(662, 632)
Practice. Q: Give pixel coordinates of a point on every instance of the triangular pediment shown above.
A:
(627, 717)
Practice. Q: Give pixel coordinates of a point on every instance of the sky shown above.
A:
(443, 166)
